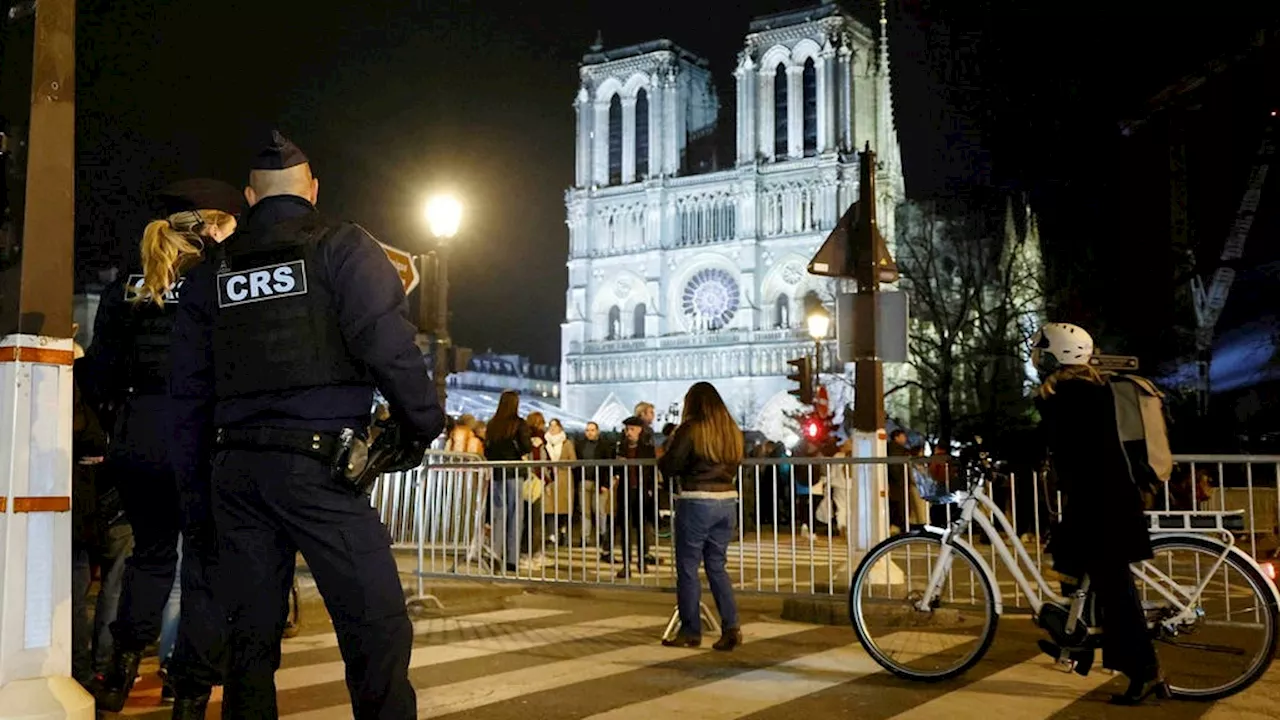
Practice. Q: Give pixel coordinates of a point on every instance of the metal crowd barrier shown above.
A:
(803, 523)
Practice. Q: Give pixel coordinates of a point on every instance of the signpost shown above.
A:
(404, 265)
(856, 249)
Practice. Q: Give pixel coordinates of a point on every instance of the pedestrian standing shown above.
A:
(639, 504)
(703, 457)
(595, 492)
(127, 366)
(277, 352)
(88, 448)
(508, 439)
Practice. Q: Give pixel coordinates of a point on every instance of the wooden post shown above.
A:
(36, 357)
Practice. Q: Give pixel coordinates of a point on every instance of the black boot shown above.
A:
(1142, 687)
(166, 684)
(190, 706)
(1081, 660)
(114, 685)
(730, 638)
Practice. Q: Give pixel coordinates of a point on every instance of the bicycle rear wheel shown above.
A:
(1231, 641)
(927, 645)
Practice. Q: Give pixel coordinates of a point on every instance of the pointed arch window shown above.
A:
(810, 85)
(637, 320)
(615, 140)
(615, 323)
(780, 111)
(642, 134)
(782, 312)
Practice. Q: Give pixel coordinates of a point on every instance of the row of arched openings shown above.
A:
(641, 137)
(637, 322)
(809, 102)
(781, 318)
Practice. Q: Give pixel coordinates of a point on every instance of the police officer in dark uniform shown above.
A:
(277, 353)
(127, 370)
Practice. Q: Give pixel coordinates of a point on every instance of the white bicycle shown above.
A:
(925, 604)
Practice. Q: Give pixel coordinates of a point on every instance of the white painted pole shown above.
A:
(35, 532)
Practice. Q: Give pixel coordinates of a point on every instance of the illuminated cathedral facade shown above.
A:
(684, 266)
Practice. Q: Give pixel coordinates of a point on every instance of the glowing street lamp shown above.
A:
(819, 322)
(444, 216)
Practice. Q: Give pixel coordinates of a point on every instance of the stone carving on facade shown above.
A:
(791, 274)
(622, 288)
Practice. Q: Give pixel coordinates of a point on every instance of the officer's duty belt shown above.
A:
(321, 446)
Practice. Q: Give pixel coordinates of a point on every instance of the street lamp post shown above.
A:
(444, 216)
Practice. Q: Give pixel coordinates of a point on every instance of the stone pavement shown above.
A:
(595, 654)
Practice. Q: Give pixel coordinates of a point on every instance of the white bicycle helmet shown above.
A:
(1058, 344)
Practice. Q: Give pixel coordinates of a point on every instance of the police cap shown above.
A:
(280, 154)
(200, 194)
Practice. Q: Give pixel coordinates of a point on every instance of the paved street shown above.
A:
(548, 656)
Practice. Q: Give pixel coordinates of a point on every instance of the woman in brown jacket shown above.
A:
(704, 455)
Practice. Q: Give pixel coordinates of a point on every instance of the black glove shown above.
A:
(394, 450)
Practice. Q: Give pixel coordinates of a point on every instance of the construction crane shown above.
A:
(1209, 302)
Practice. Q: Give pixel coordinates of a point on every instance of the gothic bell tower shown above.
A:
(637, 108)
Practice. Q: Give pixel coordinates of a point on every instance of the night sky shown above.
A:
(395, 99)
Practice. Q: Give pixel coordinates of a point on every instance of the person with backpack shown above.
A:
(1103, 528)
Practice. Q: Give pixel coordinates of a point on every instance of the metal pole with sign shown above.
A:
(36, 358)
(856, 249)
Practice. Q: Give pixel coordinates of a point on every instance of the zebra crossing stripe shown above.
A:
(308, 675)
(478, 692)
(321, 641)
(1031, 689)
(757, 690)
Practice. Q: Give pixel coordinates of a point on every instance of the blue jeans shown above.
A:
(505, 521)
(119, 549)
(91, 638)
(704, 529)
(172, 611)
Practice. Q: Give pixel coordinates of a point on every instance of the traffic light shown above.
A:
(812, 429)
(802, 375)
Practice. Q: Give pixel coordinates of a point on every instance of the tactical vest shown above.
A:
(151, 328)
(276, 325)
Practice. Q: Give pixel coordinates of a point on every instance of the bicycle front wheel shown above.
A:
(1228, 639)
(929, 645)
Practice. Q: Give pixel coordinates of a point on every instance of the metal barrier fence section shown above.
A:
(803, 525)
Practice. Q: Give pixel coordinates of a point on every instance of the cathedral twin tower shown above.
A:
(686, 265)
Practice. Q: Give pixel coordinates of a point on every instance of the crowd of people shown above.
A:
(216, 440)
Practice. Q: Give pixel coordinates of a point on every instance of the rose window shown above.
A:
(710, 300)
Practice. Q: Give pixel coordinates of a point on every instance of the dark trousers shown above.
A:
(641, 510)
(150, 500)
(704, 529)
(151, 503)
(267, 507)
(1127, 646)
(200, 652)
